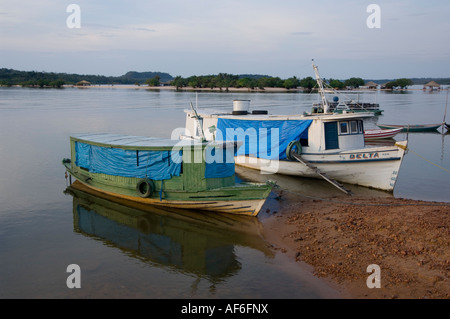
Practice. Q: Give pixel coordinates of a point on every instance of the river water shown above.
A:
(124, 252)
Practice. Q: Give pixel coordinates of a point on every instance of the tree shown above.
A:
(307, 83)
(57, 83)
(246, 83)
(336, 84)
(194, 81)
(155, 81)
(354, 82)
(291, 83)
(179, 82)
(390, 85)
(403, 83)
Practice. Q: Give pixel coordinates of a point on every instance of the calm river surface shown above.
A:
(124, 252)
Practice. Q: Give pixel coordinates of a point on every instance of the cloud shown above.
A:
(144, 29)
(230, 35)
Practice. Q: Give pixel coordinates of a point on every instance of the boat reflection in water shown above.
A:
(197, 243)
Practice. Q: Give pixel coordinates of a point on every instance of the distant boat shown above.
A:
(412, 128)
(352, 106)
(381, 134)
(340, 106)
(164, 172)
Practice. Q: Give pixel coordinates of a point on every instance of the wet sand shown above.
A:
(339, 237)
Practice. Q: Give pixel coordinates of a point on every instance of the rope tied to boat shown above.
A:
(443, 168)
(403, 147)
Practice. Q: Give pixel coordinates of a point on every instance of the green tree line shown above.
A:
(221, 80)
(225, 81)
(402, 83)
(10, 77)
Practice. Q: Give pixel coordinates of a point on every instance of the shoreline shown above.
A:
(337, 240)
(237, 90)
(225, 90)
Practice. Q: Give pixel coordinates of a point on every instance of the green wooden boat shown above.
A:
(412, 128)
(161, 172)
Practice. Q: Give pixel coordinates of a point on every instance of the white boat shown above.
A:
(378, 134)
(320, 145)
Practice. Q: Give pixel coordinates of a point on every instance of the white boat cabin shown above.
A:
(332, 133)
(324, 132)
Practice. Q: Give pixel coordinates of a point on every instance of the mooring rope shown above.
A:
(443, 168)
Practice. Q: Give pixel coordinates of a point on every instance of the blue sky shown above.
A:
(200, 37)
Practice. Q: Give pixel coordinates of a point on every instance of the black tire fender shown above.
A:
(145, 188)
(296, 147)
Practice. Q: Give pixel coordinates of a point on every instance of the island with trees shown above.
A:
(222, 81)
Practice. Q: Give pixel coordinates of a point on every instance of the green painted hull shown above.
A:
(412, 128)
(243, 198)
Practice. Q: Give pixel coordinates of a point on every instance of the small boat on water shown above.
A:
(320, 144)
(412, 127)
(380, 134)
(337, 106)
(174, 173)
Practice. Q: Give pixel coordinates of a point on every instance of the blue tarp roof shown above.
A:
(121, 140)
(156, 165)
(134, 156)
(262, 138)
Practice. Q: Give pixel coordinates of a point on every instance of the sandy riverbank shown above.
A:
(409, 240)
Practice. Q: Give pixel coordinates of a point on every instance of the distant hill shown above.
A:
(441, 81)
(33, 78)
(141, 77)
(254, 76)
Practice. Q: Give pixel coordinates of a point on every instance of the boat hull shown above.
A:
(370, 167)
(381, 134)
(412, 128)
(242, 199)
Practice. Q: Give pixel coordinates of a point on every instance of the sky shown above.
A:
(346, 38)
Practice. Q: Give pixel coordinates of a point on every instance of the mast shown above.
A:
(321, 90)
(446, 103)
(199, 124)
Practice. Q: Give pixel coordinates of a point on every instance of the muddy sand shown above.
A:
(340, 237)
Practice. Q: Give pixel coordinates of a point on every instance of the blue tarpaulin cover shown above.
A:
(219, 162)
(262, 138)
(156, 165)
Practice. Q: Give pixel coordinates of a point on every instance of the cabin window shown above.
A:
(354, 127)
(343, 128)
(360, 127)
(351, 127)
